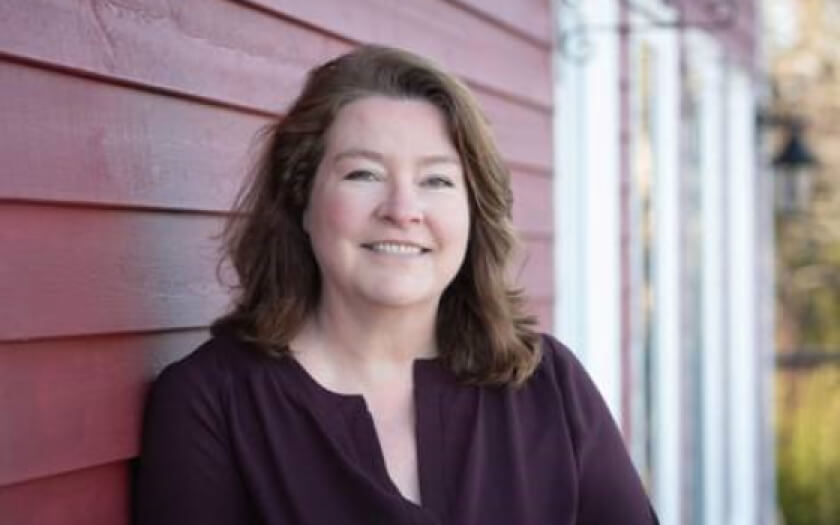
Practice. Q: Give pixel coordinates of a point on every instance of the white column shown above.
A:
(708, 58)
(667, 464)
(586, 193)
(743, 326)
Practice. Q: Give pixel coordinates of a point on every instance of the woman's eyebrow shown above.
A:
(378, 157)
(358, 153)
(440, 159)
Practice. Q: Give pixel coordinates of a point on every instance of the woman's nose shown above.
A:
(402, 204)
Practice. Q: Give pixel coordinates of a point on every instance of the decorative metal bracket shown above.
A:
(575, 32)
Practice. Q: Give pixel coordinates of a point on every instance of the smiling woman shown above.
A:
(388, 215)
(377, 366)
(387, 115)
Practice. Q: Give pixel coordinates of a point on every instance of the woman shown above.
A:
(377, 368)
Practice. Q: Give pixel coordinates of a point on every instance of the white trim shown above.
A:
(743, 330)
(667, 428)
(668, 308)
(705, 53)
(586, 193)
(766, 301)
(659, 10)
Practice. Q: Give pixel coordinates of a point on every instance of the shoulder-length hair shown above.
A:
(483, 334)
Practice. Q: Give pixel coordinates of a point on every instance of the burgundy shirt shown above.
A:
(235, 437)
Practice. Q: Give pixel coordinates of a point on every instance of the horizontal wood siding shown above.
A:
(526, 17)
(482, 53)
(127, 128)
(117, 145)
(76, 402)
(95, 496)
(90, 270)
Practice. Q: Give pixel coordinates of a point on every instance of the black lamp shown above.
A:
(793, 166)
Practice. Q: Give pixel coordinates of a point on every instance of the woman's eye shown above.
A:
(361, 175)
(439, 181)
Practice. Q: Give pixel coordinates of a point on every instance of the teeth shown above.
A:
(395, 248)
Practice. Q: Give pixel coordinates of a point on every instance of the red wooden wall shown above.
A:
(124, 133)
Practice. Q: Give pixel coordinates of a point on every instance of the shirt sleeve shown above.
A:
(186, 473)
(610, 490)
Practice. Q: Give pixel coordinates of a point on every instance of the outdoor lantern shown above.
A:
(793, 166)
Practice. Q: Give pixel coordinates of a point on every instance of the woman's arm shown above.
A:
(609, 489)
(186, 471)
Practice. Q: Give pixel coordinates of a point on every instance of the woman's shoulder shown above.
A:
(557, 360)
(569, 380)
(605, 471)
(210, 367)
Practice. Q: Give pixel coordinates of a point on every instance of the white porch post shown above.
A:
(586, 193)
(744, 403)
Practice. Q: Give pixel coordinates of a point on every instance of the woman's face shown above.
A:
(388, 215)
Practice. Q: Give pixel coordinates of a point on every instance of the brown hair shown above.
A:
(482, 332)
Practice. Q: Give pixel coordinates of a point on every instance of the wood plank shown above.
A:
(76, 271)
(529, 17)
(70, 404)
(449, 35)
(533, 202)
(105, 144)
(97, 496)
(91, 271)
(65, 138)
(534, 270)
(188, 46)
(215, 50)
(524, 135)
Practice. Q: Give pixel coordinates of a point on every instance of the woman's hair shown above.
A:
(483, 334)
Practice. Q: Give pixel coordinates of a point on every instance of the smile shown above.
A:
(395, 248)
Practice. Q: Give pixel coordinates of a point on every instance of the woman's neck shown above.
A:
(355, 349)
(376, 333)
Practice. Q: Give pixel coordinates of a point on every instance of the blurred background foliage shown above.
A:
(803, 51)
(808, 447)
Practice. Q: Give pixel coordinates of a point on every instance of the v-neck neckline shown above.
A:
(349, 415)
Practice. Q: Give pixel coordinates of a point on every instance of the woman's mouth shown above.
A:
(395, 248)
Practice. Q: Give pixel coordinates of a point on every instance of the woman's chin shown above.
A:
(400, 297)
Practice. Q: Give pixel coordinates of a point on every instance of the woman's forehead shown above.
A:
(381, 126)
